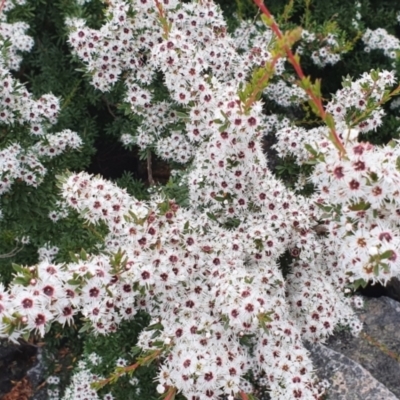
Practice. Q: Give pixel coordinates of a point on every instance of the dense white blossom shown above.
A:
(209, 274)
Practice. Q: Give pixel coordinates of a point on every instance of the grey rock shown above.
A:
(37, 372)
(15, 360)
(41, 395)
(393, 289)
(348, 380)
(377, 348)
(36, 376)
(20, 362)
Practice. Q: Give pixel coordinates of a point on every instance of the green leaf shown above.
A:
(223, 127)
(386, 254)
(398, 163)
(19, 269)
(183, 115)
(374, 75)
(152, 327)
(83, 255)
(330, 122)
(86, 327)
(47, 328)
(73, 257)
(135, 351)
(219, 198)
(360, 206)
(212, 217)
(305, 83)
(313, 107)
(359, 283)
(21, 281)
(311, 150)
(26, 336)
(186, 227)
(156, 334)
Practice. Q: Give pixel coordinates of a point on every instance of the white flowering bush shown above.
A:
(381, 39)
(21, 159)
(209, 274)
(32, 150)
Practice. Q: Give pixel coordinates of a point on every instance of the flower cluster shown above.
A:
(382, 40)
(61, 211)
(251, 34)
(80, 387)
(9, 5)
(48, 252)
(53, 391)
(357, 17)
(52, 145)
(327, 48)
(16, 35)
(175, 147)
(285, 94)
(361, 188)
(355, 109)
(19, 106)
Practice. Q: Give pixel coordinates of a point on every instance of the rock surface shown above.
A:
(22, 372)
(393, 289)
(14, 362)
(349, 380)
(377, 349)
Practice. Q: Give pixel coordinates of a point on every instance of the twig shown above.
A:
(252, 23)
(12, 253)
(299, 71)
(108, 107)
(69, 98)
(149, 169)
(2, 5)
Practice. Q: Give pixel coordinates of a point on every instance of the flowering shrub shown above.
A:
(38, 140)
(209, 274)
(22, 115)
(381, 39)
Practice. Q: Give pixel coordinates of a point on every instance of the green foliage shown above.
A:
(119, 345)
(133, 186)
(176, 190)
(50, 68)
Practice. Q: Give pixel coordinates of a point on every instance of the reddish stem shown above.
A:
(3, 2)
(132, 367)
(292, 59)
(162, 16)
(244, 396)
(170, 394)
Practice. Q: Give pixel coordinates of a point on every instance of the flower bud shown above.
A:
(160, 389)
(373, 251)
(349, 227)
